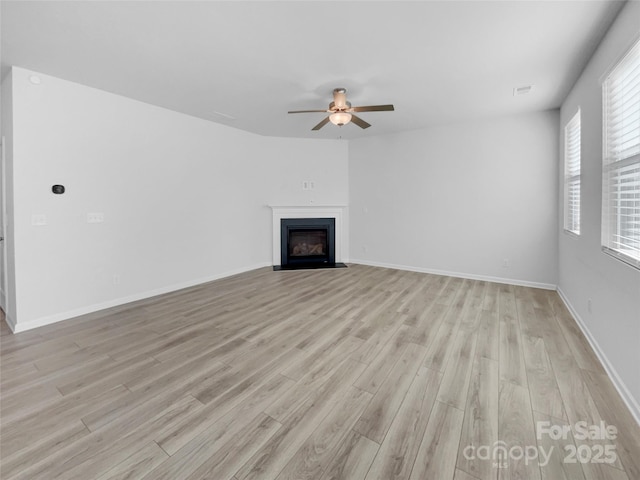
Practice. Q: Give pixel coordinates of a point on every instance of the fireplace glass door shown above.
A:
(307, 242)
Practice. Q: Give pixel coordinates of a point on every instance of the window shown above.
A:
(572, 175)
(621, 162)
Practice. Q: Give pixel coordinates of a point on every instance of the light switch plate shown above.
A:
(38, 219)
(95, 217)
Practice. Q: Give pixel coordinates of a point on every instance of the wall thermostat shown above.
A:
(58, 189)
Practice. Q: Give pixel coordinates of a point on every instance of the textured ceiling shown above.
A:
(436, 61)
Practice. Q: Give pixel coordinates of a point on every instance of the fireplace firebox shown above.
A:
(307, 243)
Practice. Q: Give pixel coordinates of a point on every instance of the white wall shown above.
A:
(184, 200)
(460, 199)
(6, 110)
(585, 272)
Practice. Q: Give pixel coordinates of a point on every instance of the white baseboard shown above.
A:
(470, 276)
(627, 397)
(10, 322)
(58, 317)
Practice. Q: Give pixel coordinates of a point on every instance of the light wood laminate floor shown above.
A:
(357, 373)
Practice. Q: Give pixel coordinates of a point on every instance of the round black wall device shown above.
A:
(58, 189)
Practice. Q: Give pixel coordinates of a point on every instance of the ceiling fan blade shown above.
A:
(321, 124)
(373, 108)
(360, 122)
(308, 111)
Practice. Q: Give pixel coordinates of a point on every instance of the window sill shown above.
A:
(626, 259)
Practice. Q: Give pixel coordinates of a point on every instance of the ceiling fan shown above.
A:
(341, 112)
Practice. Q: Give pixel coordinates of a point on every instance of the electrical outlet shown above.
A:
(95, 217)
(589, 305)
(365, 248)
(116, 279)
(312, 185)
(505, 263)
(305, 185)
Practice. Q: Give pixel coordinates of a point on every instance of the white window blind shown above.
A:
(621, 162)
(572, 175)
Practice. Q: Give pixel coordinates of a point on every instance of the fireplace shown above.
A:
(329, 217)
(307, 243)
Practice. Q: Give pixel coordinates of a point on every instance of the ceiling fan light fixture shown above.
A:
(340, 118)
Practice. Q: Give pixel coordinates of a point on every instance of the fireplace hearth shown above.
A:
(307, 243)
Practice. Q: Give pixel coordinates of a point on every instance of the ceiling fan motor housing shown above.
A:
(334, 108)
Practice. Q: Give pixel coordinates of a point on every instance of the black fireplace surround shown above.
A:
(307, 243)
